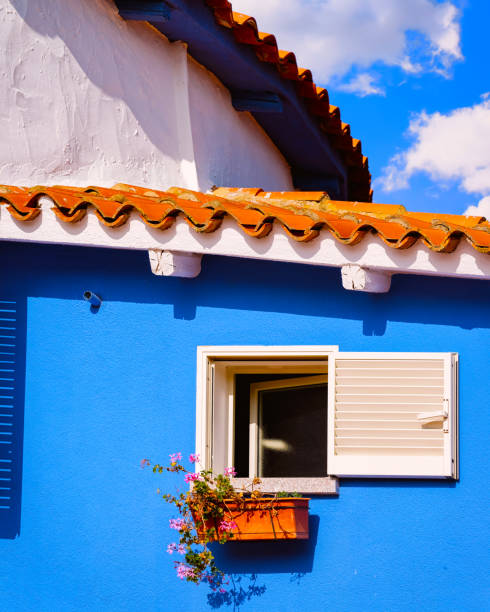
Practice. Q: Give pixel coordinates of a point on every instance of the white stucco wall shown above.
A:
(88, 98)
(230, 145)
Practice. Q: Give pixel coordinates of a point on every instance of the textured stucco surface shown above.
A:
(88, 98)
(229, 146)
(103, 390)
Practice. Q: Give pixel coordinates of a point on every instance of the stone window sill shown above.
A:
(326, 485)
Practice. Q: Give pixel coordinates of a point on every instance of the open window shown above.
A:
(298, 417)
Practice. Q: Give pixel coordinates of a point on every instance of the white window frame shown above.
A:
(249, 359)
(217, 437)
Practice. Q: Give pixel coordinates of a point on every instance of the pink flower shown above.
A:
(181, 549)
(230, 471)
(192, 477)
(194, 458)
(171, 548)
(184, 571)
(227, 526)
(222, 590)
(174, 457)
(177, 524)
(144, 462)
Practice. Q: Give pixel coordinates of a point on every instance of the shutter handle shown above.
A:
(432, 417)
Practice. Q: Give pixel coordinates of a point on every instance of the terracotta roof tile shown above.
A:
(302, 215)
(245, 31)
(21, 205)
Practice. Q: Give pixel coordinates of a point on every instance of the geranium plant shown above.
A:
(205, 516)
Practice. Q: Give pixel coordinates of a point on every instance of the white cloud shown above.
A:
(482, 208)
(446, 147)
(363, 84)
(336, 37)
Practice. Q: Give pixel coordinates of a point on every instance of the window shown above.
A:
(298, 417)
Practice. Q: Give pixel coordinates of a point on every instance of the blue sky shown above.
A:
(412, 78)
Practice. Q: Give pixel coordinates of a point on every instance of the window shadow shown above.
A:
(12, 393)
(399, 483)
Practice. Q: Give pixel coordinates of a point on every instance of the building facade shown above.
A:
(95, 99)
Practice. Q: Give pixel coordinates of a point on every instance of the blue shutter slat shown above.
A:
(11, 423)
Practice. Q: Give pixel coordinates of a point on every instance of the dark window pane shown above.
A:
(242, 414)
(293, 431)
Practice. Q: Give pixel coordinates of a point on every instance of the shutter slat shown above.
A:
(377, 444)
(375, 401)
(346, 432)
(386, 386)
(394, 424)
(387, 442)
(387, 374)
(391, 383)
(386, 406)
(387, 364)
(396, 452)
(378, 396)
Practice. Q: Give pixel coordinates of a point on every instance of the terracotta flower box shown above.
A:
(266, 518)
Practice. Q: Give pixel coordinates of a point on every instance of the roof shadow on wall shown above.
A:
(12, 393)
(239, 284)
(317, 291)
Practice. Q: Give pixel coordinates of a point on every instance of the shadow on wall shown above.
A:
(242, 561)
(241, 589)
(108, 59)
(239, 284)
(227, 282)
(12, 383)
(283, 557)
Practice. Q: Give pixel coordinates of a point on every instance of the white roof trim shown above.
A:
(230, 241)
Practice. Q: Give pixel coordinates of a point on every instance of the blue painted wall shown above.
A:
(104, 390)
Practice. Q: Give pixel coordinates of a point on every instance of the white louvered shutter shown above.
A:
(393, 415)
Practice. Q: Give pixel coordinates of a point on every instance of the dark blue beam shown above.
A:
(256, 101)
(294, 131)
(309, 181)
(152, 11)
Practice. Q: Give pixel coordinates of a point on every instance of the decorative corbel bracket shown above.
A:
(356, 278)
(174, 263)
